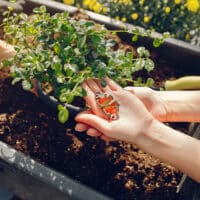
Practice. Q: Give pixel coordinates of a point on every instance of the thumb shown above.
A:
(94, 121)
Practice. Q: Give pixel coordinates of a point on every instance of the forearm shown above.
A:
(173, 147)
(181, 105)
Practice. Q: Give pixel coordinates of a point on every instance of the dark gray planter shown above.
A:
(32, 181)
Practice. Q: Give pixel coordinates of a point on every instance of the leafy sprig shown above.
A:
(64, 52)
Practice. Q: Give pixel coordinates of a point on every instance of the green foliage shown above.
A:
(179, 17)
(64, 52)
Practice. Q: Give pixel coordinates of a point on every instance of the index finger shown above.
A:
(90, 100)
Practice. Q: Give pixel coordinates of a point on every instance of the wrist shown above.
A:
(180, 106)
(173, 147)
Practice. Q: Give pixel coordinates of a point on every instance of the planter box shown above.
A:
(30, 180)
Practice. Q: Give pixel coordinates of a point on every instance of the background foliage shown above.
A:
(179, 17)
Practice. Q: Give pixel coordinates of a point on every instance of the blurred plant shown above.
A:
(63, 52)
(179, 17)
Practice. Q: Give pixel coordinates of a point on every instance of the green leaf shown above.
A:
(149, 65)
(10, 8)
(66, 97)
(83, 93)
(139, 64)
(102, 70)
(157, 42)
(134, 38)
(96, 39)
(7, 63)
(149, 82)
(143, 52)
(57, 67)
(81, 41)
(88, 24)
(57, 48)
(16, 80)
(26, 85)
(63, 114)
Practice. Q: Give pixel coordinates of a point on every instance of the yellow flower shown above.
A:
(187, 36)
(124, 19)
(146, 19)
(97, 7)
(91, 4)
(86, 3)
(134, 16)
(68, 2)
(141, 2)
(105, 9)
(167, 9)
(177, 1)
(193, 5)
(117, 18)
(126, 1)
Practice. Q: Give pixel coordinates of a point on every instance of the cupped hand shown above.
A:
(133, 118)
(153, 101)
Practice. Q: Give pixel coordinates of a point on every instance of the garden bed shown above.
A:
(118, 170)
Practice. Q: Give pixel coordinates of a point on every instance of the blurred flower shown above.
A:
(192, 5)
(124, 19)
(105, 9)
(117, 18)
(141, 2)
(68, 2)
(187, 36)
(167, 9)
(91, 4)
(179, 17)
(134, 16)
(177, 1)
(97, 7)
(146, 19)
(86, 3)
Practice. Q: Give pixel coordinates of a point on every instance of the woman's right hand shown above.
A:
(153, 101)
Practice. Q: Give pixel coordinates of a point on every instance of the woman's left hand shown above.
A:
(132, 117)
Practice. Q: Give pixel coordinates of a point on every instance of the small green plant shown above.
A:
(64, 52)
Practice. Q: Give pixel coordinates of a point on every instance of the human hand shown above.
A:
(133, 121)
(153, 100)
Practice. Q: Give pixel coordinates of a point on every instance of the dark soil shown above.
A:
(117, 169)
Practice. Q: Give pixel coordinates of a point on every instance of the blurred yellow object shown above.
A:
(124, 19)
(97, 7)
(193, 5)
(183, 83)
(146, 19)
(68, 2)
(167, 9)
(177, 1)
(134, 16)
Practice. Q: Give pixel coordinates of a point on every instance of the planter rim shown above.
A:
(53, 102)
(70, 187)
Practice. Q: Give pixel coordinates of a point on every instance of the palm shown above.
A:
(133, 115)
